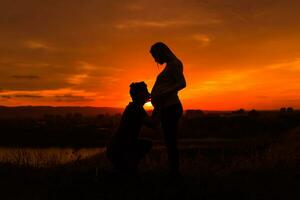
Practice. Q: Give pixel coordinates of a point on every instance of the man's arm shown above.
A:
(150, 122)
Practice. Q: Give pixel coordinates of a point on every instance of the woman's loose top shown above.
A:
(165, 90)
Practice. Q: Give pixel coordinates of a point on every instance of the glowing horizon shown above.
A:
(236, 54)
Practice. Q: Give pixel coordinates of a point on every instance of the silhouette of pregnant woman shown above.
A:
(164, 98)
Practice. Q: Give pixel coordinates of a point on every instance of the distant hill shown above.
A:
(40, 111)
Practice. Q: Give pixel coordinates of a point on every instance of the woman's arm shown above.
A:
(178, 77)
(178, 83)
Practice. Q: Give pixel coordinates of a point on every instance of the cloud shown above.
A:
(60, 95)
(6, 96)
(48, 93)
(86, 66)
(28, 96)
(71, 98)
(36, 45)
(31, 65)
(30, 77)
(164, 23)
(134, 7)
(141, 23)
(110, 78)
(77, 79)
(203, 39)
(290, 65)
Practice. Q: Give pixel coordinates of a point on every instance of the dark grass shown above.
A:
(204, 176)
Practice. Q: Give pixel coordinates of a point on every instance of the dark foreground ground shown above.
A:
(206, 174)
(59, 184)
(258, 157)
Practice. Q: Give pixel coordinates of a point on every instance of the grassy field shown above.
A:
(210, 170)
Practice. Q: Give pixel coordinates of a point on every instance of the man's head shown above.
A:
(139, 92)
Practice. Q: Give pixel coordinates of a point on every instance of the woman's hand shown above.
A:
(158, 100)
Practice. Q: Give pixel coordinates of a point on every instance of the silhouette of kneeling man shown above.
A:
(126, 149)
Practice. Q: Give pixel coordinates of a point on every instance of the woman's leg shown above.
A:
(169, 120)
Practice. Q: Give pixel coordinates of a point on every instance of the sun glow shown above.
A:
(148, 106)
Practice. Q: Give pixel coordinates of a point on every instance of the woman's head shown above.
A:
(161, 53)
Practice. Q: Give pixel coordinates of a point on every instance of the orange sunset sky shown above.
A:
(236, 53)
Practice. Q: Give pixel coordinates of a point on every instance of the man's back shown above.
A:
(130, 126)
